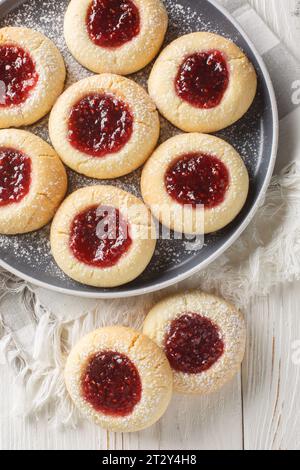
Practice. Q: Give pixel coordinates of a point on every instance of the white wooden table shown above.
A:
(258, 410)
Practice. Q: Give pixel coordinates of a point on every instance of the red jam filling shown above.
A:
(99, 236)
(193, 344)
(112, 23)
(112, 384)
(197, 178)
(202, 79)
(18, 75)
(15, 176)
(100, 125)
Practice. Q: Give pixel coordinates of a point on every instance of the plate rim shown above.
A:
(183, 276)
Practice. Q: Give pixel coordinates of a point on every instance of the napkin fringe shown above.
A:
(40, 379)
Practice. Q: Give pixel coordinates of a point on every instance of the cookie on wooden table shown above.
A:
(203, 337)
(119, 379)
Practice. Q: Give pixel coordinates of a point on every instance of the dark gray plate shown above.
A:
(255, 137)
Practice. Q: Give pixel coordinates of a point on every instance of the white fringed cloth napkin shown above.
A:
(38, 326)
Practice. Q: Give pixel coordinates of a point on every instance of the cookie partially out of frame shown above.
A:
(117, 36)
(33, 182)
(32, 76)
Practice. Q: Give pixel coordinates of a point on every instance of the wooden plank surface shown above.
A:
(258, 410)
(271, 372)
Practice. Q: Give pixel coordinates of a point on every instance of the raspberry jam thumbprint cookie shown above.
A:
(202, 82)
(201, 183)
(102, 236)
(119, 379)
(104, 126)
(32, 76)
(118, 36)
(203, 338)
(33, 182)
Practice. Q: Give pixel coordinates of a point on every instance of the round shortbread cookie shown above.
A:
(117, 36)
(119, 379)
(202, 82)
(201, 183)
(32, 76)
(203, 337)
(104, 126)
(103, 236)
(33, 182)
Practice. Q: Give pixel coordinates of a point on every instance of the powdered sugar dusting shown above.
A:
(31, 253)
